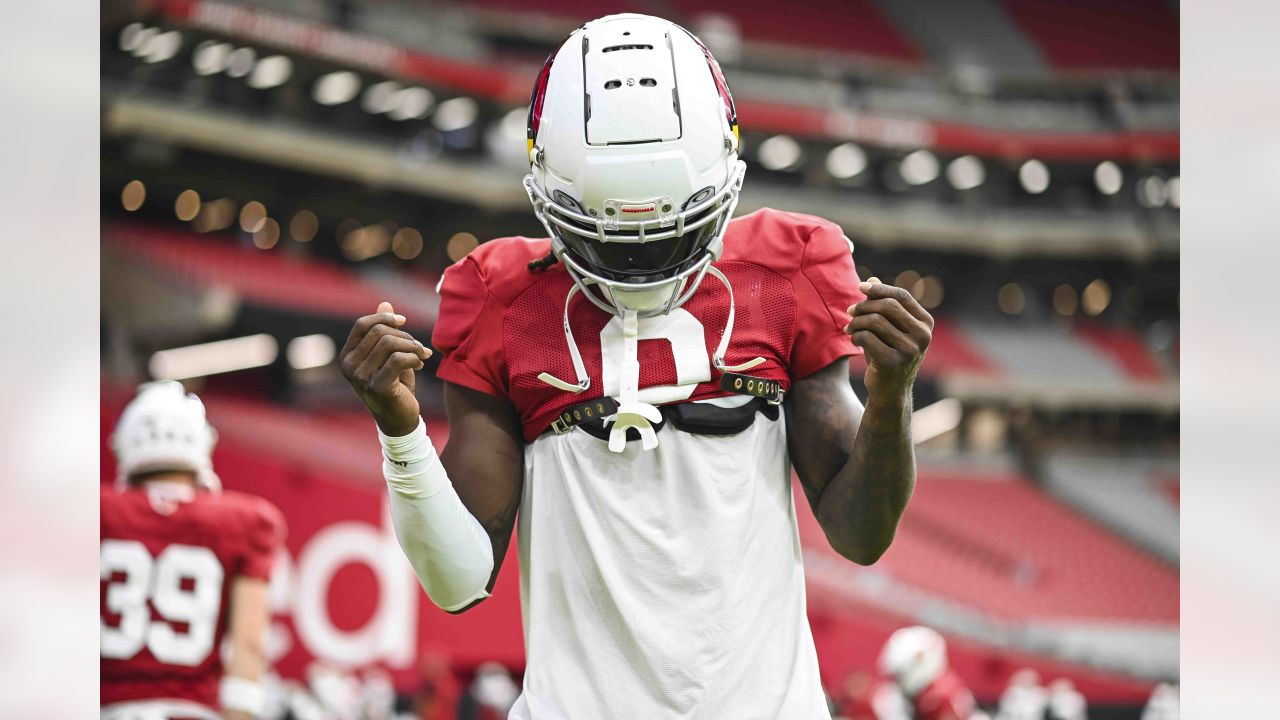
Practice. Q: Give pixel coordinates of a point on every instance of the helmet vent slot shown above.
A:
(648, 82)
(613, 84)
(614, 48)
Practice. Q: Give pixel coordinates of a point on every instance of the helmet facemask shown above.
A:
(650, 266)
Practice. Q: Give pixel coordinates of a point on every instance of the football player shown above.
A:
(183, 565)
(916, 659)
(636, 388)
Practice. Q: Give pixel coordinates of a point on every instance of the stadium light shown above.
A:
(253, 216)
(366, 242)
(380, 97)
(1108, 177)
(304, 226)
(131, 37)
(780, 152)
(1011, 299)
(846, 161)
(1096, 297)
(460, 244)
(310, 351)
(213, 358)
(215, 215)
(240, 62)
(187, 206)
(514, 126)
(1152, 192)
(271, 71)
(937, 419)
(910, 280)
(406, 243)
(931, 292)
(133, 195)
(161, 47)
(412, 103)
(268, 235)
(210, 58)
(336, 88)
(919, 168)
(1034, 176)
(456, 114)
(966, 172)
(1173, 186)
(138, 41)
(1065, 301)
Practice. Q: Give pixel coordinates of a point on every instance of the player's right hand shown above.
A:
(379, 360)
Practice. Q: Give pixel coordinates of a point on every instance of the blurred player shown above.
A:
(1164, 703)
(1023, 698)
(636, 388)
(1066, 702)
(916, 659)
(183, 565)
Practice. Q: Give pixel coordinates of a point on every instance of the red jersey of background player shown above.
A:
(946, 698)
(169, 555)
(500, 324)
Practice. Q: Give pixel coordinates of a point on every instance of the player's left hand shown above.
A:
(894, 332)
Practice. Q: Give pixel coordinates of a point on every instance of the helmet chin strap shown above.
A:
(632, 413)
(723, 347)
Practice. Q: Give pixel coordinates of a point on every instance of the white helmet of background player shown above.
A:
(914, 657)
(633, 146)
(164, 428)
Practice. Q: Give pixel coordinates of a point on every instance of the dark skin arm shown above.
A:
(857, 466)
(485, 455)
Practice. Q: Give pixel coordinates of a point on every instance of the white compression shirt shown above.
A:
(664, 584)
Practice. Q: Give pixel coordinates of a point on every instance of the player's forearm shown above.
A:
(860, 507)
(448, 548)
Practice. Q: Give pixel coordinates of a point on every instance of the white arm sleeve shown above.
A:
(449, 550)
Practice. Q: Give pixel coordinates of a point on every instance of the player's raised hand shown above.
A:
(379, 360)
(894, 332)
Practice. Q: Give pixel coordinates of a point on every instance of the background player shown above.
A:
(915, 658)
(660, 563)
(184, 565)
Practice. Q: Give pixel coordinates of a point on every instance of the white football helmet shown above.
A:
(633, 145)
(164, 428)
(914, 657)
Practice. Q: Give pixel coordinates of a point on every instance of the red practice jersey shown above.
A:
(169, 555)
(500, 324)
(946, 698)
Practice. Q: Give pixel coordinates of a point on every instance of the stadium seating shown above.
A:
(273, 279)
(1136, 495)
(1101, 34)
(998, 545)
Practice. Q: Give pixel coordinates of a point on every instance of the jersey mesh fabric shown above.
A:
(534, 342)
(243, 532)
(664, 583)
(500, 324)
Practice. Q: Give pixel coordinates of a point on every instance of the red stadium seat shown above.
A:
(1101, 34)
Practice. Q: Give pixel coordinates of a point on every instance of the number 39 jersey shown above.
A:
(169, 555)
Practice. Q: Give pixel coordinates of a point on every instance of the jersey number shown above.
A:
(160, 581)
(688, 349)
